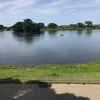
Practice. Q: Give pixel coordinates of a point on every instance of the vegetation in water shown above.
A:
(27, 26)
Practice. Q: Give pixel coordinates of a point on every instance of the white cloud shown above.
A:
(52, 8)
(91, 3)
(80, 1)
(55, 3)
(60, 6)
(27, 7)
(21, 9)
(17, 7)
(84, 4)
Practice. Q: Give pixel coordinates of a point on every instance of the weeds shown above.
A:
(82, 73)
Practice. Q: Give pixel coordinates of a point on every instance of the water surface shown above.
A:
(71, 46)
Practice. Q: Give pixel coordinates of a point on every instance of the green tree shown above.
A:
(18, 27)
(35, 27)
(52, 25)
(1, 27)
(89, 23)
(41, 25)
(81, 25)
(27, 25)
(73, 26)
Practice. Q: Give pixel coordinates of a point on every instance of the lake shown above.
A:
(49, 47)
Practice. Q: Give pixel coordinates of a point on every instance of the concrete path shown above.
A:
(55, 92)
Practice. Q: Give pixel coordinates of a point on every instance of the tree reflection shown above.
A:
(27, 37)
(1, 34)
(79, 33)
(88, 33)
(53, 33)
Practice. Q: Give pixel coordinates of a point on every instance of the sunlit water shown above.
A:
(55, 47)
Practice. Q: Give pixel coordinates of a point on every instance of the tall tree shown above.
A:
(73, 26)
(27, 26)
(89, 23)
(18, 27)
(1, 27)
(79, 24)
(52, 25)
(41, 25)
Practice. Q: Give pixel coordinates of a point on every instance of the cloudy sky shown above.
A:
(62, 12)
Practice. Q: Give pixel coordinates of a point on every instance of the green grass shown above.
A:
(64, 73)
(67, 28)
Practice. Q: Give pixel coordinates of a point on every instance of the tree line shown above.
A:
(29, 26)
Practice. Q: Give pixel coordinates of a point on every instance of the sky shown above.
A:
(61, 12)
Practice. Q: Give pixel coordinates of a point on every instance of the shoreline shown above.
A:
(84, 73)
(48, 83)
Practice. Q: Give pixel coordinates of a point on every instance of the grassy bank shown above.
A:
(69, 73)
(67, 28)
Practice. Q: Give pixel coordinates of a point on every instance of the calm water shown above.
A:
(50, 47)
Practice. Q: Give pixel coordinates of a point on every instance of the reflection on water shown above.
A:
(49, 47)
(53, 34)
(79, 32)
(27, 37)
(88, 33)
(1, 35)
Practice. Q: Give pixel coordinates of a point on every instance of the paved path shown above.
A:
(55, 92)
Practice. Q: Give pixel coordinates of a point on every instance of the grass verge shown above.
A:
(59, 73)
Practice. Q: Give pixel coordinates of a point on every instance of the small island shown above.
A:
(27, 26)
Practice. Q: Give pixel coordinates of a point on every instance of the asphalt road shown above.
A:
(44, 92)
